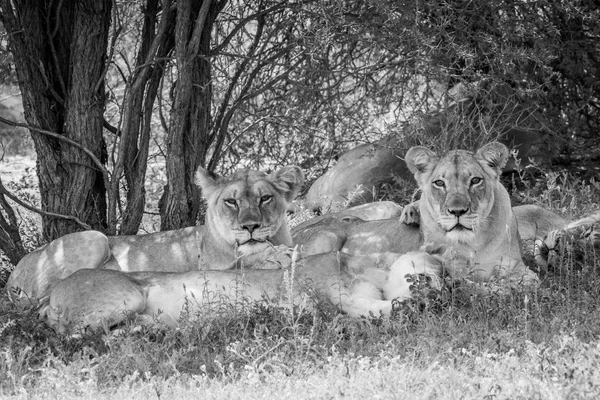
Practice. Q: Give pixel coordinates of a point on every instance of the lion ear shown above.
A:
(494, 154)
(207, 180)
(289, 180)
(420, 160)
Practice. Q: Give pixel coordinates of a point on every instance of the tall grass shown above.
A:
(464, 341)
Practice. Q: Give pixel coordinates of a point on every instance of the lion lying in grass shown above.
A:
(465, 212)
(358, 285)
(540, 231)
(245, 218)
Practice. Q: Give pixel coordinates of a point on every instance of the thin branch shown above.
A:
(55, 31)
(252, 17)
(112, 129)
(5, 192)
(216, 129)
(161, 114)
(44, 77)
(95, 159)
(198, 28)
(116, 33)
(59, 76)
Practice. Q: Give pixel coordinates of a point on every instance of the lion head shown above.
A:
(247, 209)
(459, 188)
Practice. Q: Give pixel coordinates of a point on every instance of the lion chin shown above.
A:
(460, 234)
(252, 246)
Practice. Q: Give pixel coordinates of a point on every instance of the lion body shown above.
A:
(353, 235)
(358, 285)
(245, 218)
(357, 177)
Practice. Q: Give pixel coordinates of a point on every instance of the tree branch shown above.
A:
(53, 52)
(217, 129)
(14, 198)
(116, 32)
(95, 159)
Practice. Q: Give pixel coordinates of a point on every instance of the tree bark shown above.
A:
(10, 238)
(59, 51)
(188, 137)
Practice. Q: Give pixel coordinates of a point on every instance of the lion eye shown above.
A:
(266, 198)
(439, 183)
(476, 180)
(231, 202)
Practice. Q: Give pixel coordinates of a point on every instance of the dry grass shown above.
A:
(461, 342)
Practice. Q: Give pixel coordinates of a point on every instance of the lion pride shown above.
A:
(467, 229)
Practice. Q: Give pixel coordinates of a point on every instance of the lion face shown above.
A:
(458, 188)
(247, 209)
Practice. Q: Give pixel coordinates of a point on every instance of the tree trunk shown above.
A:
(59, 51)
(137, 113)
(188, 138)
(10, 238)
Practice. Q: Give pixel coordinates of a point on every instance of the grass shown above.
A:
(462, 342)
(465, 341)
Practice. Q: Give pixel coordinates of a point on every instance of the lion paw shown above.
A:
(276, 257)
(545, 251)
(410, 214)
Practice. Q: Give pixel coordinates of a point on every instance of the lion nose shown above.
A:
(251, 227)
(458, 212)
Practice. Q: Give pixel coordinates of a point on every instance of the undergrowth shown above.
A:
(445, 325)
(551, 331)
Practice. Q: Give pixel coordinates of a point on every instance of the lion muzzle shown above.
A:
(260, 235)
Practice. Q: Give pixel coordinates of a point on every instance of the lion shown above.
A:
(357, 177)
(538, 231)
(332, 231)
(464, 205)
(367, 285)
(487, 234)
(467, 229)
(245, 218)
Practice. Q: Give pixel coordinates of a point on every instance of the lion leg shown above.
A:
(362, 297)
(589, 222)
(546, 251)
(398, 285)
(411, 214)
(93, 298)
(197, 293)
(37, 272)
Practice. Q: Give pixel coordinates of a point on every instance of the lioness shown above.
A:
(464, 205)
(465, 212)
(539, 230)
(358, 285)
(245, 217)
